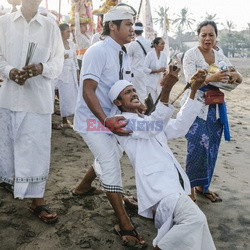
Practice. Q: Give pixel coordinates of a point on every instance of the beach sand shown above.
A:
(87, 223)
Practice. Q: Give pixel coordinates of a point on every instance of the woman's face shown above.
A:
(160, 45)
(207, 37)
(66, 33)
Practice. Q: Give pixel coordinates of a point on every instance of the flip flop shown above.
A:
(212, 196)
(92, 191)
(37, 211)
(132, 233)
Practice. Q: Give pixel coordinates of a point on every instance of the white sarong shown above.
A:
(25, 152)
(189, 231)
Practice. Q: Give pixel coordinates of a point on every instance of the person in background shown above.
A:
(26, 103)
(67, 82)
(82, 37)
(155, 66)
(217, 47)
(137, 50)
(204, 136)
(161, 183)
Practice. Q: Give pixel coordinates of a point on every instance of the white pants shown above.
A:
(190, 229)
(25, 152)
(107, 155)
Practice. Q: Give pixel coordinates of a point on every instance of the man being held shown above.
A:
(26, 102)
(162, 185)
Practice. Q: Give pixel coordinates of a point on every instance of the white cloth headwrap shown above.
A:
(138, 27)
(117, 88)
(114, 92)
(120, 12)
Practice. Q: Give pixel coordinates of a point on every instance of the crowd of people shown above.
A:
(104, 85)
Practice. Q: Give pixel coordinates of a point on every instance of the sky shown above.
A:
(236, 11)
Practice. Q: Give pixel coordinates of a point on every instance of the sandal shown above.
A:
(37, 211)
(92, 191)
(130, 202)
(212, 196)
(56, 126)
(132, 233)
(67, 125)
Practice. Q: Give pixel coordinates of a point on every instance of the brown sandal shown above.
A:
(212, 196)
(37, 211)
(132, 233)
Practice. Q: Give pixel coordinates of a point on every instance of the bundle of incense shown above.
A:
(30, 53)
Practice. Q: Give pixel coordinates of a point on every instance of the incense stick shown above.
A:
(30, 53)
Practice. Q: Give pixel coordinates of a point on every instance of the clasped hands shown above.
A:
(20, 76)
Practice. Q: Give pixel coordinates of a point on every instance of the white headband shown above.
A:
(117, 88)
(120, 12)
(138, 28)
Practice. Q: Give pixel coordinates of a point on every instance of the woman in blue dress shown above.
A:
(204, 136)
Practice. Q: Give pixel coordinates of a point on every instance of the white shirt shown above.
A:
(101, 64)
(153, 62)
(137, 55)
(194, 60)
(16, 34)
(154, 163)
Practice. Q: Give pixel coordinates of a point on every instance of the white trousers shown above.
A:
(25, 152)
(189, 229)
(107, 155)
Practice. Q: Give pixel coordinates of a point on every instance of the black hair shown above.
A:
(206, 23)
(63, 26)
(138, 32)
(124, 4)
(156, 41)
(106, 30)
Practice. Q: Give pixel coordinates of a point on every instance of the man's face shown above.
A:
(123, 34)
(129, 100)
(31, 5)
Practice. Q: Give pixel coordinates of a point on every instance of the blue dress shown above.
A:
(203, 141)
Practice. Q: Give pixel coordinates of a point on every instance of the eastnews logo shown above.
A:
(132, 124)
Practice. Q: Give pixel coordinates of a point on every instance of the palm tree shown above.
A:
(163, 14)
(230, 26)
(183, 20)
(210, 17)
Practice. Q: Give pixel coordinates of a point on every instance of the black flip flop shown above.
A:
(92, 191)
(132, 233)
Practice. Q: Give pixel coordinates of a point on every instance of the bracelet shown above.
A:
(104, 122)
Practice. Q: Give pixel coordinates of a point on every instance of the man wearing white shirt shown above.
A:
(103, 64)
(162, 185)
(137, 50)
(31, 55)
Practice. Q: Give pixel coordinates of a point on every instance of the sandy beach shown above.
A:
(87, 223)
